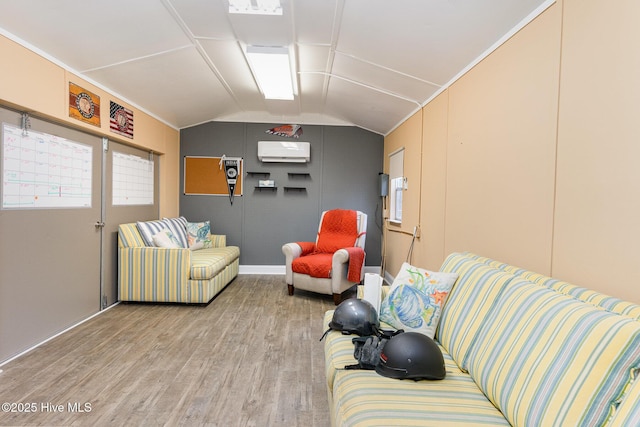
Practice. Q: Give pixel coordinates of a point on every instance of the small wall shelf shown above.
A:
(301, 189)
(251, 173)
(257, 187)
(299, 174)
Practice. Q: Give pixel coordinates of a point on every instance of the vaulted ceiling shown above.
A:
(367, 63)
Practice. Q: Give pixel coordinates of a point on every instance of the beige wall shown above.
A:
(31, 83)
(529, 157)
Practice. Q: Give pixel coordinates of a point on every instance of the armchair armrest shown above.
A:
(348, 263)
(291, 251)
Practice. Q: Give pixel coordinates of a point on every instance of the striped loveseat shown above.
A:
(177, 275)
(520, 349)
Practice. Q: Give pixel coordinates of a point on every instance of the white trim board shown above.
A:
(281, 269)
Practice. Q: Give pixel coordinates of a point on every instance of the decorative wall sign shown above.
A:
(120, 120)
(231, 171)
(84, 105)
(288, 131)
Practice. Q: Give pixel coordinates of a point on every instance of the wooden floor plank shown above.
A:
(250, 358)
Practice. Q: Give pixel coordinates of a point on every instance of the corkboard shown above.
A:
(203, 175)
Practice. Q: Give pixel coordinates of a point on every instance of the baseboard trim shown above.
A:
(281, 269)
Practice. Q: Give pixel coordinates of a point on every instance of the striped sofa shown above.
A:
(176, 275)
(520, 349)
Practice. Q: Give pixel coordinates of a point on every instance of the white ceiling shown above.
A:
(368, 63)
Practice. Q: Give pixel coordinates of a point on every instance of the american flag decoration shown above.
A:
(120, 120)
(289, 131)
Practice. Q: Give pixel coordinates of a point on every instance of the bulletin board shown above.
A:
(206, 175)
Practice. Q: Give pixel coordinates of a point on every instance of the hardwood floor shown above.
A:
(250, 358)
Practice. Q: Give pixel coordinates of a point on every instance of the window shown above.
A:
(396, 185)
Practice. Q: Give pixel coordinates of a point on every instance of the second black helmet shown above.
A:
(355, 316)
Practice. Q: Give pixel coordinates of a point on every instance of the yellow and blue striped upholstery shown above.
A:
(364, 398)
(545, 358)
(606, 302)
(469, 303)
(628, 411)
(543, 352)
(172, 275)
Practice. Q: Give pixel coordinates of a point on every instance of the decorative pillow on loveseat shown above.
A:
(415, 300)
(148, 229)
(166, 239)
(199, 234)
(178, 226)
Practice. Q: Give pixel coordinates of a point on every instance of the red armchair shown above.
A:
(335, 261)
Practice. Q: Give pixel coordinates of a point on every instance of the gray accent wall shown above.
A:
(343, 173)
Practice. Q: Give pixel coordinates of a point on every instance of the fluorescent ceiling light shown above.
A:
(272, 70)
(255, 7)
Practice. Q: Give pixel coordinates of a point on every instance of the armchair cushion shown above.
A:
(339, 230)
(315, 265)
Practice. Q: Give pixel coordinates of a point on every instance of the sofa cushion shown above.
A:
(416, 298)
(165, 239)
(148, 229)
(469, 303)
(612, 304)
(206, 263)
(178, 227)
(199, 234)
(544, 358)
(129, 236)
(368, 399)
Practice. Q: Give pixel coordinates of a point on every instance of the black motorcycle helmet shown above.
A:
(411, 355)
(355, 316)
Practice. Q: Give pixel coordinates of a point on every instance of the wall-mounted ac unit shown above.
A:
(284, 151)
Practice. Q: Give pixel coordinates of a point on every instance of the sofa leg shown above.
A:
(290, 289)
(337, 299)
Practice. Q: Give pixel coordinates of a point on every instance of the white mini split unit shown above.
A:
(284, 151)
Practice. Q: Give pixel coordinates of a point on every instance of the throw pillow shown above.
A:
(165, 239)
(416, 298)
(148, 228)
(178, 226)
(199, 232)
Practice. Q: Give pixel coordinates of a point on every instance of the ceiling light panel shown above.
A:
(271, 68)
(255, 7)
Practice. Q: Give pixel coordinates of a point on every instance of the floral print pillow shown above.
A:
(199, 235)
(414, 302)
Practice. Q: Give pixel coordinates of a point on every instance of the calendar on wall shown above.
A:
(132, 180)
(40, 170)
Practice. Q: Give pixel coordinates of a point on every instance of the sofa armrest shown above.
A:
(153, 274)
(218, 240)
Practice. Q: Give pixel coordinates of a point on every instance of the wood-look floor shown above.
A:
(250, 358)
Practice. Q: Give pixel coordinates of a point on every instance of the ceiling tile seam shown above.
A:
(382, 67)
(139, 58)
(203, 54)
(295, 59)
(335, 35)
(374, 88)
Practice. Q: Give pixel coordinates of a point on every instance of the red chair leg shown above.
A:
(290, 289)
